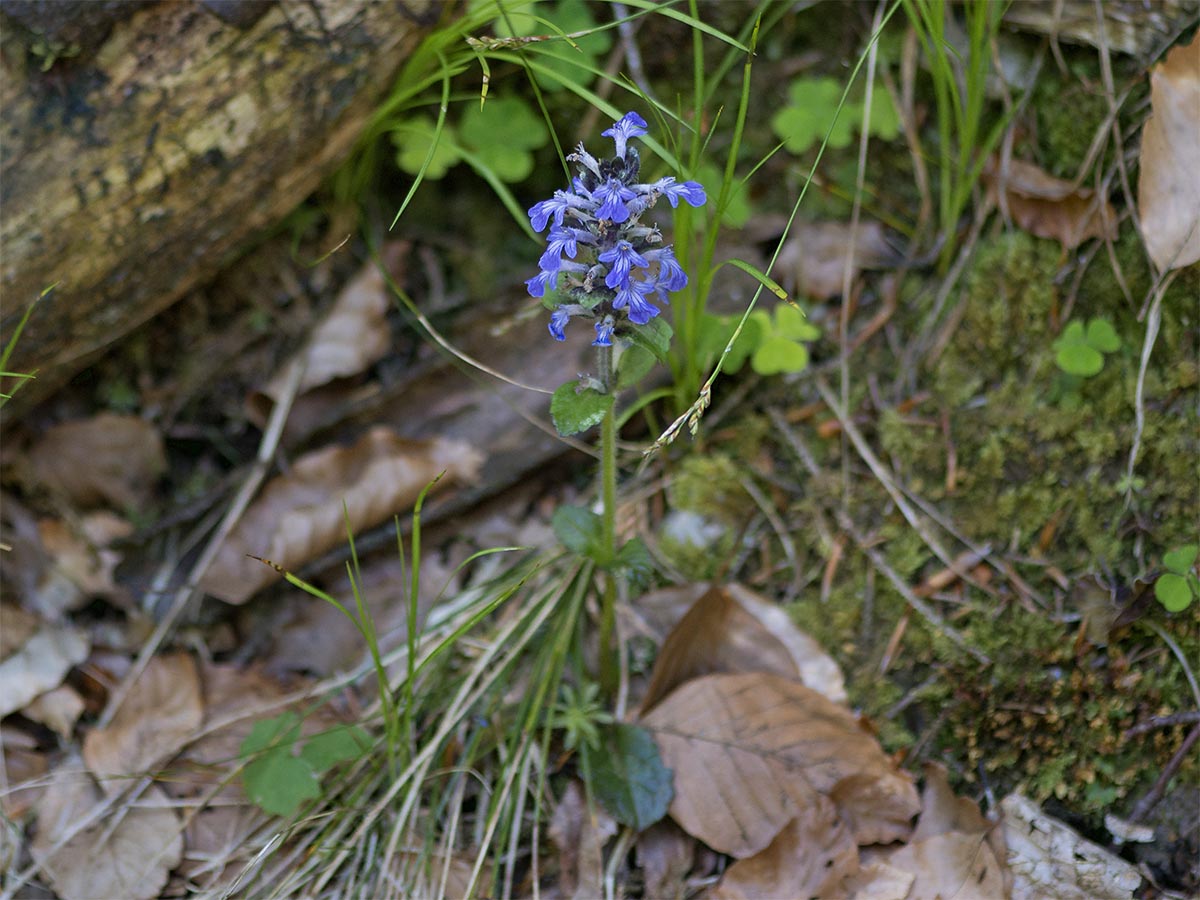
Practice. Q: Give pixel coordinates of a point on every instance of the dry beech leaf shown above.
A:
(58, 710)
(160, 713)
(1047, 206)
(813, 259)
(353, 336)
(665, 854)
(810, 857)
(299, 515)
(878, 881)
(40, 665)
(108, 458)
(1050, 861)
(733, 629)
(130, 856)
(24, 768)
(1168, 186)
(580, 835)
(748, 750)
(81, 567)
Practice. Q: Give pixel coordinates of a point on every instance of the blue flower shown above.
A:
(562, 240)
(632, 297)
(538, 284)
(613, 196)
(621, 260)
(604, 332)
(556, 206)
(670, 274)
(631, 125)
(558, 323)
(691, 191)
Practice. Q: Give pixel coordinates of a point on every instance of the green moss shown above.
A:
(710, 485)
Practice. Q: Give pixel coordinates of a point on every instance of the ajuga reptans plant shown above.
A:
(611, 266)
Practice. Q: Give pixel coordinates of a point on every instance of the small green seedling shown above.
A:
(813, 104)
(1178, 586)
(278, 779)
(773, 344)
(1080, 351)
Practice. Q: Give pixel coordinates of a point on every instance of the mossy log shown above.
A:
(135, 169)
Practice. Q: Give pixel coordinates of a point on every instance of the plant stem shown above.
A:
(608, 525)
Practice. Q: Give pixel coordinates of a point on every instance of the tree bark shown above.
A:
(132, 174)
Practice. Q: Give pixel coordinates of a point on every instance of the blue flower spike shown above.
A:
(595, 230)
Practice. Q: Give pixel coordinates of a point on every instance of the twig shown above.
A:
(1142, 808)
(1153, 320)
(1153, 724)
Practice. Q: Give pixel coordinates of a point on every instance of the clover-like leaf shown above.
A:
(501, 136)
(1079, 359)
(778, 354)
(414, 137)
(1102, 336)
(1181, 559)
(1173, 592)
(790, 322)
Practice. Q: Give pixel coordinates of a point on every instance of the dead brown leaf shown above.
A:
(665, 854)
(1051, 861)
(299, 515)
(58, 710)
(1047, 206)
(1168, 186)
(40, 665)
(161, 711)
(108, 458)
(129, 856)
(810, 857)
(748, 750)
(81, 565)
(24, 766)
(878, 881)
(353, 336)
(580, 833)
(813, 259)
(733, 629)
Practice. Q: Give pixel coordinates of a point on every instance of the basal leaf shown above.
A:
(1079, 359)
(575, 410)
(282, 731)
(325, 750)
(578, 529)
(629, 777)
(1173, 592)
(1181, 559)
(779, 354)
(1102, 336)
(414, 137)
(279, 782)
(790, 322)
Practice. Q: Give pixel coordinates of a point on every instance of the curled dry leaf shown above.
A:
(1050, 861)
(24, 766)
(579, 834)
(81, 565)
(1168, 186)
(300, 515)
(58, 710)
(1047, 206)
(665, 855)
(108, 458)
(749, 751)
(40, 665)
(813, 260)
(129, 856)
(159, 714)
(811, 857)
(353, 336)
(730, 628)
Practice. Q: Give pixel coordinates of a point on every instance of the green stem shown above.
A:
(608, 530)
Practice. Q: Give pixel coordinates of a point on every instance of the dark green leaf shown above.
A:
(1173, 592)
(628, 776)
(574, 410)
(655, 336)
(635, 559)
(579, 530)
(325, 750)
(633, 366)
(1181, 559)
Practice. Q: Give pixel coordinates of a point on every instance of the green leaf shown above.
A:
(754, 332)
(575, 410)
(1181, 559)
(560, 56)
(278, 782)
(803, 122)
(1079, 359)
(1173, 592)
(1072, 334)
(578, 529)
(628, 776)
(790, 322)
(634, 364)
(501, 136)
(414, 137)
(280, 732)
(325, 750)
(1102, 336)
(655, 336)
(779, 354)
(635, 559)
